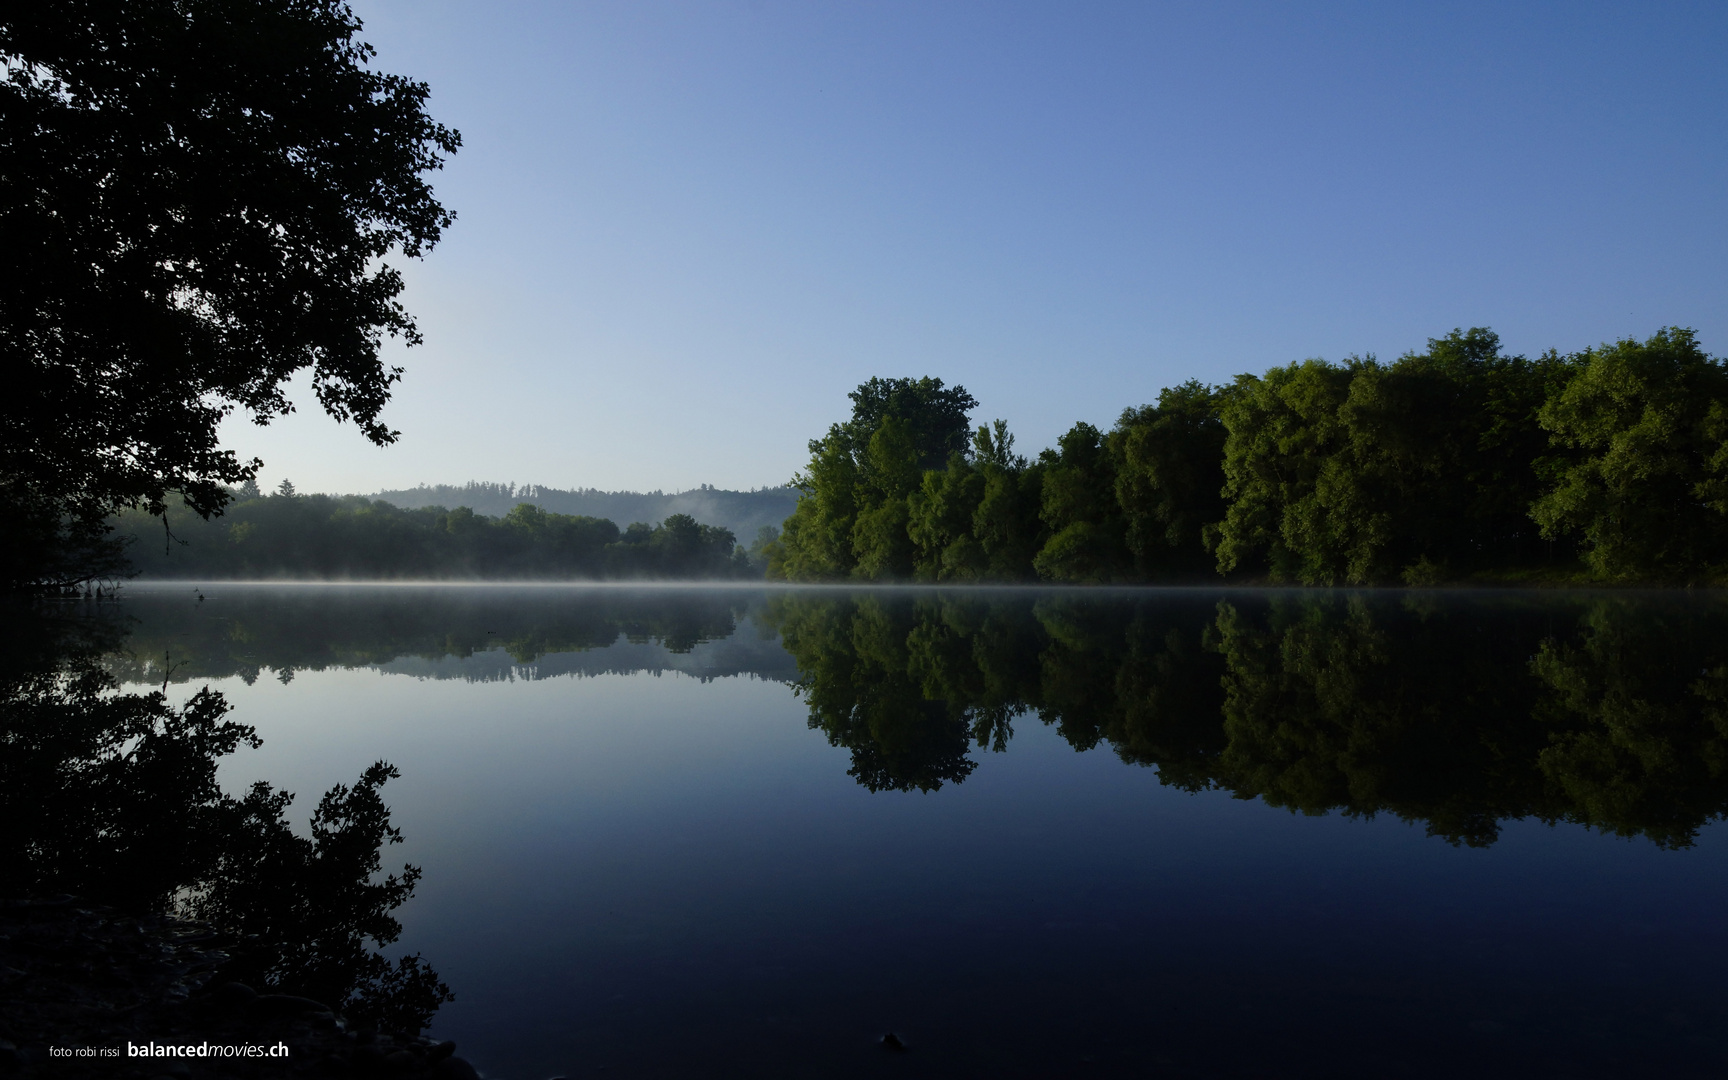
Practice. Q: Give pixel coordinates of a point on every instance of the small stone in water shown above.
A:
(892, 1041)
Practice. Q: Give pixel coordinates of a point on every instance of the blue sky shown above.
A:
(686, 230)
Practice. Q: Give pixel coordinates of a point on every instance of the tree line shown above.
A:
(1455, 463)
(289, 535)
(744, 512)
(1608, 712)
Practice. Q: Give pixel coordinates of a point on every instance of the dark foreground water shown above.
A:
(685, 832)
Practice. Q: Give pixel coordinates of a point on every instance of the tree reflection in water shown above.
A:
(245, 630)
(1456, 712)
(113, 797)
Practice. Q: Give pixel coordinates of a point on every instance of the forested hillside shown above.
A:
(744, 512)
(1457, 463)
(288, 535)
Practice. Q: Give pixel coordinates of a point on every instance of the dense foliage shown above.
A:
(287, 535)
(854, 515)
(204, 194)
(1454, 463)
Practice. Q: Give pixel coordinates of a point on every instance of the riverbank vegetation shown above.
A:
(293, 536)
(1457, 463)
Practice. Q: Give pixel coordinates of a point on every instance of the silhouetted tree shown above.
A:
(204, 194)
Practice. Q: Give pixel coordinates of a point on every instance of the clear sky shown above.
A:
(686, 230)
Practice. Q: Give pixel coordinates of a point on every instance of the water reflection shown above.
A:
(658, 874)
(1459, 713)
(491, 633)
(1456, 711)
(113, 797)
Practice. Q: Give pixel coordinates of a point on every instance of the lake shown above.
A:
(673, 832)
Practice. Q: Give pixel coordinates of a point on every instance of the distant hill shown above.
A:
(744, 512)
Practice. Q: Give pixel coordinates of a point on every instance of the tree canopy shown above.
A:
(1641, 473)
(853, 516)
(1457, 462)
(205, 193)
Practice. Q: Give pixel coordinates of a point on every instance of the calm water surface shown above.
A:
(683, 832)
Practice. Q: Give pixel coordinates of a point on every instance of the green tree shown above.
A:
(1367, 472)
(1170, 478)
(1087, 533)
(934, 415)
(1006, 523)
(940, 520)
(206, 195)
(881, 545)
(1641, 469)
(853, 514)
(1281, 434)
(1443, 448)
(816, 541)
(1285, 478)
(683, 548)
(977, 519)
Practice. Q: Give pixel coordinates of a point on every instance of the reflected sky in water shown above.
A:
(639, 855)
